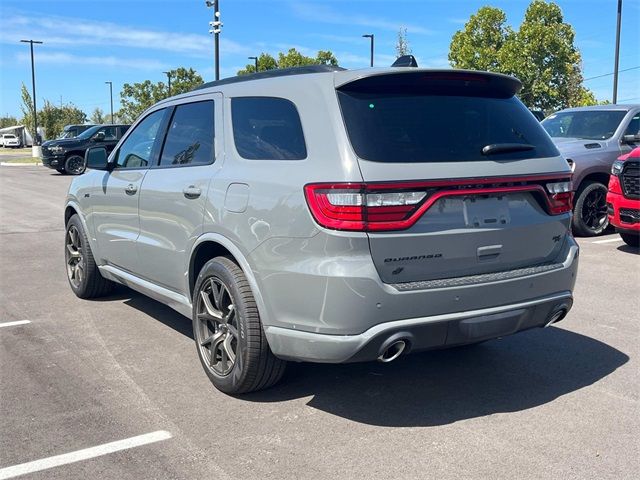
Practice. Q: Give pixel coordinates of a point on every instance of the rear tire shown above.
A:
(631, 239)
(228, 333)
(74, 165)
(82, 272)
(590, 217)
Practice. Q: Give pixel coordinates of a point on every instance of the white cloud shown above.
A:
(67, 59)
(82, 32)
(326, 14)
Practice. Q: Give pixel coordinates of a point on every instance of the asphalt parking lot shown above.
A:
(562, 402)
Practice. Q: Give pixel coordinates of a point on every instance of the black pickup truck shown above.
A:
(66, 155)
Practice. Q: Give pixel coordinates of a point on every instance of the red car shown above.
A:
(623, 198)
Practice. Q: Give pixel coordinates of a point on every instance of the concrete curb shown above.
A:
(9, 164)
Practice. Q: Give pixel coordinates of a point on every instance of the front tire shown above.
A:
(74, 165)
(82, 272)
(590, 217)
(631, 239)
(228, 333)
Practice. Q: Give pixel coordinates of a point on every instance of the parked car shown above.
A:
(67, 155)
(623, 199)
(71, 131)
(317, 214)
(9, 140)
(591, 139)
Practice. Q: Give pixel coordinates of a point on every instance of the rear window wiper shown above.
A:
(506, 147)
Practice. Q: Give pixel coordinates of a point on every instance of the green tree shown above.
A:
(402, 44)
(137, 97)
(477, 45)
(97, 116)
(26, 107)
(293, 58)
(53, 118)
(541, 53)
(8, 121)
(543, 56)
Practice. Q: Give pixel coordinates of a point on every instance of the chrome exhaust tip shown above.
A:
(393, 351)
(556, 317)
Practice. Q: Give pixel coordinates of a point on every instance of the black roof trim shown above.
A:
(278, 72)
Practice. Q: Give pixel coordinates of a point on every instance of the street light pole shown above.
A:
(111, 98)
(615, 69)
(215, 25)
(256, 62)
(168, 80)
(36, 141)
(371, 37)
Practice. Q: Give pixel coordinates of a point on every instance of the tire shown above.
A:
(226, 324)
(82, 272)
(74, 165)
(62, 171)
(631, 239)
(590, 212)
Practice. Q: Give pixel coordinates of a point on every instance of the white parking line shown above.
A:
(13, 324)
(609, 240)
(85, 454)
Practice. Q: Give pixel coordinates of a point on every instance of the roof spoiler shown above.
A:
(406, 61)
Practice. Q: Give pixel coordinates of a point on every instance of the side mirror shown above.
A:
(631, 139)
(96, 158)
(99, 137)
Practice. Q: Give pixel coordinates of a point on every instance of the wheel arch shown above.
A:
(599, 177)
(211, 245)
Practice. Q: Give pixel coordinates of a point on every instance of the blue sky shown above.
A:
(89, 42)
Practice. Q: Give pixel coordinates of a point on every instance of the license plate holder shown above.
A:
(486, 212)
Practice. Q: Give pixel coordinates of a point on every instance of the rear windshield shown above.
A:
(590, 125)
(429, 127)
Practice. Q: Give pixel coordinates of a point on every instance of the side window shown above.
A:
(267, 128)
(136, 150)
(123, 129)
(634, 126)
(189, 139)
(110, 133)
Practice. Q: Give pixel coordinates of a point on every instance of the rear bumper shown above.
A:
(626, 222)
(419, 333)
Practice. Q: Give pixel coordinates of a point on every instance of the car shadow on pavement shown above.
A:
(629, 249)
(441, 387)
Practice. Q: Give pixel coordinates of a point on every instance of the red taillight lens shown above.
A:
(560, 203)
(358, 207)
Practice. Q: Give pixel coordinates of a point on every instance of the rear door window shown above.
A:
(190, 136)
(267, 128)
(422, 126)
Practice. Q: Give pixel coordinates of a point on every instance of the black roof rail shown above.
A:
(277, 72)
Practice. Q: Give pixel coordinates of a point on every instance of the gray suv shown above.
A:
(328, 215)
(591, 139)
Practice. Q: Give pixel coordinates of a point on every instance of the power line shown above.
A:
(608, 74)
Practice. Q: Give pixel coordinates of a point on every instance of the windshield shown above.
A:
(415, 127)
(89, 133)
(590, 125)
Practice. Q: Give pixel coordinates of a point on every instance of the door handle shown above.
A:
(192, 192)
(131, 189)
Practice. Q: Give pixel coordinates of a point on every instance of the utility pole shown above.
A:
(256, 61)
(615, 69)
(371, 37)
(215, 25)
(111, 97)
(168, 80)
(36, 140)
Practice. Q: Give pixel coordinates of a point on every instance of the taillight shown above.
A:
(560, 197)
(359, 207)
(375, 207)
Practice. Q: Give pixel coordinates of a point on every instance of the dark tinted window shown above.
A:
(587, 124)
(137, 148)
(424, 127)
(123, 130)
(110, 133)
(190, 136)
(266, 128)
(634, 125)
